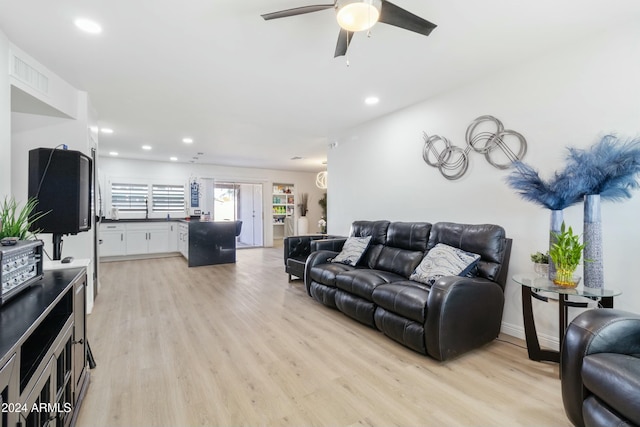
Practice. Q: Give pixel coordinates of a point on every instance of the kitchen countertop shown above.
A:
(115, 221)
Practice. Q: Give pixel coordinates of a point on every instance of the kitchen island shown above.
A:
(208, 242)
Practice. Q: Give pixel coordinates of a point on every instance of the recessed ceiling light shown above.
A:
(187, 140)
(106, 130)
(371, 100)
(113, 153)
(88, 26)
(173, 159)
(146, 147)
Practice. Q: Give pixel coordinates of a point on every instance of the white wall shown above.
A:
(60, 99)
(5, 119)
(63, 115)
(166, 172)
(33, 131)
(568, 98)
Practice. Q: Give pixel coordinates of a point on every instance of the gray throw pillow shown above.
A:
(352, 250)
(443, 260)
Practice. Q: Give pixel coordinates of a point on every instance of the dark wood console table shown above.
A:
(43, 351)
(532, 285)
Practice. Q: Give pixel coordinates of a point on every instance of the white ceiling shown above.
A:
(257, 93)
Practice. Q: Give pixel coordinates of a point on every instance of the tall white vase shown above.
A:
(593, 268)
(303, 225)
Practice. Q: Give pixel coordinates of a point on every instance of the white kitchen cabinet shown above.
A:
(138, 238)
(173, 237)
(112, 240)
(183, 239)
(147, 238)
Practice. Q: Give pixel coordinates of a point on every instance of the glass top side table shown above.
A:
(531, 285)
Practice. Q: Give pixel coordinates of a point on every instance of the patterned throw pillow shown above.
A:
(443, 260)
(352, 250)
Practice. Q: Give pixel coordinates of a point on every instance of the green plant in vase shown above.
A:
(540, 258)
(540, 263)
(566, 253)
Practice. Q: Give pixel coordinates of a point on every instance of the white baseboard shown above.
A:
(545, 340)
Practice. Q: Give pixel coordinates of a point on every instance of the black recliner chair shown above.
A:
(600, 369)
(296, 251)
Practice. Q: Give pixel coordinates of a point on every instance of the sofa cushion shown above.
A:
(408, 299)
(355, 307)
(405, 331)
(444, 260)
(323, 294)
(378, 232)
(352, 250)
(405, 247)
(615, 379)
(597, 413)
(412, 236)
(486, 240)
(398, 261)
(376, 229)
(326, 273)
(362, 282)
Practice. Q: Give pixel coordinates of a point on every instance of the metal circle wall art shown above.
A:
(486, 135)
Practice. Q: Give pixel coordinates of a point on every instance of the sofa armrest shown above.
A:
(594, 331)
(316, 258)
(462, 313)
(331, 244)
(298, 246)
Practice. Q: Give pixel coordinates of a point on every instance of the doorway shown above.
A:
(235, 201)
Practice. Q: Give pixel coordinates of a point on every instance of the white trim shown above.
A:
(546, 341)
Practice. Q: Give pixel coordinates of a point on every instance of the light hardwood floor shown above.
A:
(238, 344)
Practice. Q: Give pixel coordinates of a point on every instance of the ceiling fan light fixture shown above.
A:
(358, 15)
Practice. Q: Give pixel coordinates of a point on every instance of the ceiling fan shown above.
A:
(361, 15)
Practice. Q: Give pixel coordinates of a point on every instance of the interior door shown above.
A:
(250, 213)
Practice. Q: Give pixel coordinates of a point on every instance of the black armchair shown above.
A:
(296, 251)
(600, 369)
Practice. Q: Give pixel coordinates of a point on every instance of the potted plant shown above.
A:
(304, 203)
(566, 252)
(540, 263)
(15, 222)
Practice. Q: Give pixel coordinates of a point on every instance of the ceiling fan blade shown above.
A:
(344, 38)
(297, 11)
(398, 17)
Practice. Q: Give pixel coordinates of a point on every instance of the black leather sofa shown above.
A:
(448, 318)
(600, 369)
(296, 251)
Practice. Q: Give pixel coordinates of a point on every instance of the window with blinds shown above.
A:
(168, 198)
(129, 197)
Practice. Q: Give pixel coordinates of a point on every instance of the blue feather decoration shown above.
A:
(610, 168)
(556, 194)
